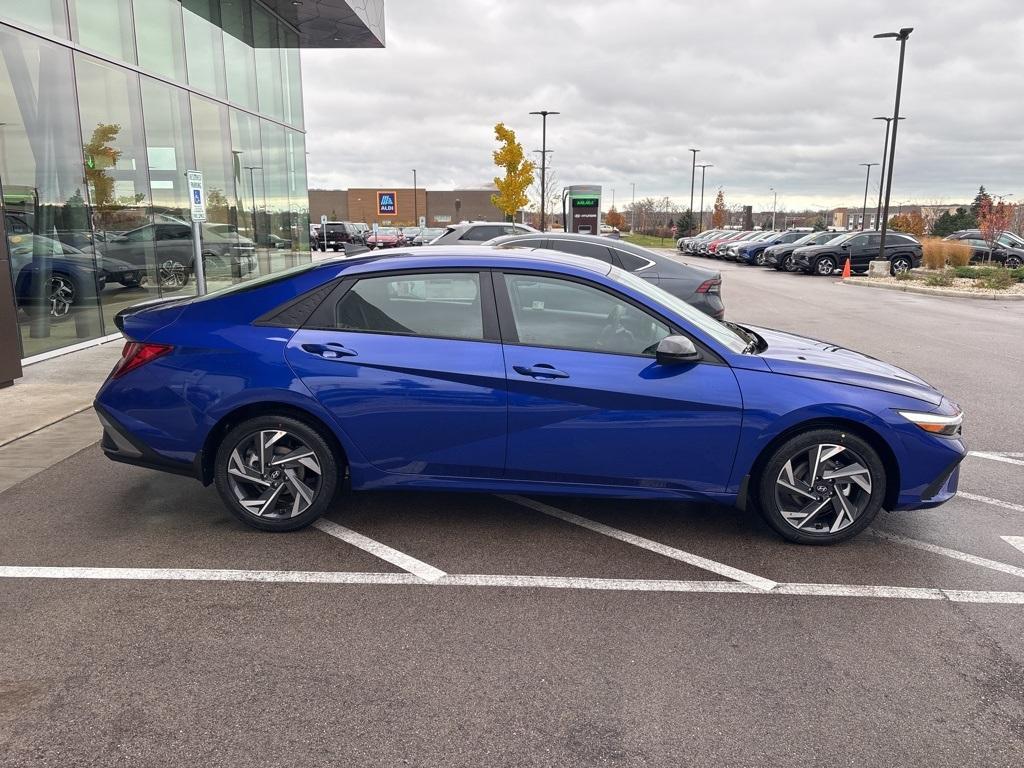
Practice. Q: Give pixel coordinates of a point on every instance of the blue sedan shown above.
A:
(508, 371)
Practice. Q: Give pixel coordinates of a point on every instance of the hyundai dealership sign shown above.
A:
(386, 204)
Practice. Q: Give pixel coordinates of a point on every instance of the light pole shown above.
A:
(885, 157)
(702, 169)
(543, 159)
(252, 189)
(693, 178)
(902, 36)
(864, 210)
(543, 154)
(415, 204)
(632, 207)
(775, 199)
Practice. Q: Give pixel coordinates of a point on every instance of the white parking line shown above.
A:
(383, 551)
(653, 546)
(984, 562)
(1005, 458)
(993, 502)
(526, 582)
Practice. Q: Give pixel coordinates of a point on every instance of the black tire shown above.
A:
(900, 264)
(228, 486)
(772, 498)
(784, 264)
(824, 266)
(173, 274)
(1013, 261)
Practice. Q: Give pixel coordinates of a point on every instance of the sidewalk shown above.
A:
(48, 412)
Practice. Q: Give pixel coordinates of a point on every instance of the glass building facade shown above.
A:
(104, 106)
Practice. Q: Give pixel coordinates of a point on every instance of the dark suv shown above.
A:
(781, 256)
(1009, 253)
(334, 235)
(902, 251)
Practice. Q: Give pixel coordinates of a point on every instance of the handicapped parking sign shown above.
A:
(386, 205)
(196, 196)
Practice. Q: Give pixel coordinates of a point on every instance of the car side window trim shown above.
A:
(510, 336)
(322, 319)
(615, 255)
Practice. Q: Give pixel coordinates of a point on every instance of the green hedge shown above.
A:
(988, 273)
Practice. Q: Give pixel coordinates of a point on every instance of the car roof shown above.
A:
(484, 257)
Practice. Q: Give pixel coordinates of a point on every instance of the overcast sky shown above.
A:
(777, 94)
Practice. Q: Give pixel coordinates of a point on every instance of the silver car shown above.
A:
(477, 232)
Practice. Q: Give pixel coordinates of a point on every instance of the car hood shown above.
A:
(810, 250)
(793, 355)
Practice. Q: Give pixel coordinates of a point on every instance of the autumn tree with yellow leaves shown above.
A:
(518, 176)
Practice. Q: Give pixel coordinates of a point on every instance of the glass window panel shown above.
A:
(54, 263)
(160, 38)
(268, 62)
(205, 45)
(445, 305)
(278, 237)
(104, 25)
(117, 172)
(550, 312)
(298, 194)
(247, 160)
(45, 15)
(291, 76)
(239, 58)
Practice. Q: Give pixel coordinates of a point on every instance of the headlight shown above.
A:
(937, 424)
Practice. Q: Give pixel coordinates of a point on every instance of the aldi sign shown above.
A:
(386, 204)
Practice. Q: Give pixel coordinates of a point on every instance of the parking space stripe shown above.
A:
(984, 562)
(512, 581)
(383, 551)
(993, 502)
(996, 457)
(653, 546)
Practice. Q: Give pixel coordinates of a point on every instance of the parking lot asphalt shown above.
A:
(142, 625)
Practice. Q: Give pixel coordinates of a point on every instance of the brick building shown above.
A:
(441, 207)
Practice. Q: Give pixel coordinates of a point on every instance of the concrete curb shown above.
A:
(935, 291)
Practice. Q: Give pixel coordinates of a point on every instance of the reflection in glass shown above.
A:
(53, 260)
(160, 38)
(298, 196)
(45, 15)
(205, 44)
(240, 63)
(268, 62)
(104, 25)
(116, 169)
(291, 76)
(247, 159)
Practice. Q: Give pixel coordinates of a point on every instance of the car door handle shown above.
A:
(540, 371)
(330, 351)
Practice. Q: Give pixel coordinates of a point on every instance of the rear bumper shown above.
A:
(119, 445)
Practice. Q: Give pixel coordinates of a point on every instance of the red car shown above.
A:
(712, 245)
(385, 237)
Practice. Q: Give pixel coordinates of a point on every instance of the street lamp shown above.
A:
(885, 156)
(702, 167)
(543, 159)
(902, 36)
(415, 204)
(693, 177)
(632, 207)
(775, 199)
(864, 210)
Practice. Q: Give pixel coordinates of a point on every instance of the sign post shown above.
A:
(323, 229)
(197, 203)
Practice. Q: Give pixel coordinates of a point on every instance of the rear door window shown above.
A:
(630, 261)
(581, 248)
(486, 232)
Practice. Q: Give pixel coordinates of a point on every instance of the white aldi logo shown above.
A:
(386, 204)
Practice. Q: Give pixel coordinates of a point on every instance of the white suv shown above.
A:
(476, 232)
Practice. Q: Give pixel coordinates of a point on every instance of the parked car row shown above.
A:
(818, 253)
(1009, 253)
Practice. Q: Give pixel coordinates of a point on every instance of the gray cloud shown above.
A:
(775, 94)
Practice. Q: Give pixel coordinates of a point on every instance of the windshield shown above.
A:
(716, 330)
(387, 231)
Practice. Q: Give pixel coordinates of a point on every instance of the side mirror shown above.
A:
(673, 350)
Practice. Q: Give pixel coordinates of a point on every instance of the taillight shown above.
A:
(710, 286)
(136, 354)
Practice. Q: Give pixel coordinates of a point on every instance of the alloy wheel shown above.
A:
(274, 474)
(759, 259)
(787, 263)
(823, 489)
(1013, 262)
(824, 266)
(173, 274)
(900, 265)
(62, 296)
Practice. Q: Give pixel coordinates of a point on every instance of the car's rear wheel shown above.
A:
(276, 473)
(821, 487)
(825, 266)
(172, 274)
(901, 264)
(1013, 262)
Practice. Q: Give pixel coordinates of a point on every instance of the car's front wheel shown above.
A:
(821, 487)
(276, 473)
(825, 266)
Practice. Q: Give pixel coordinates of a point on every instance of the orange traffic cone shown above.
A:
(846, 269)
